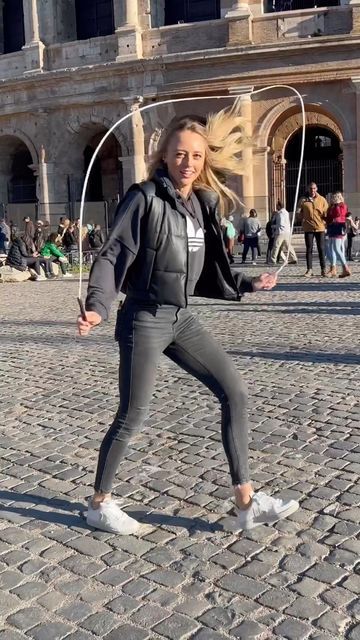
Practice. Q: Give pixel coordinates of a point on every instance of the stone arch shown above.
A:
(79, 123)
(281, 133)
(331, 118)
(18, 133)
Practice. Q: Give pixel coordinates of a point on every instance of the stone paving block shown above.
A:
(128, 631)
(293, 630)
(26, 618)
(75, 612)
(325, 572)
(8, 634)
(209, 634)
(354, 633)
(166, 578)
(333, 621)
(100, 623)
(30, 590)
(52, 600)
(176, 627)
(149, 615)
(53, 630)
(248, 630)
(306, 609)
(242, 585)
(89, 547)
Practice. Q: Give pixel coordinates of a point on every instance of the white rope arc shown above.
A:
(192, 99)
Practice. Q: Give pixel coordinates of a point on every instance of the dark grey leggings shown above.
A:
(145, 333)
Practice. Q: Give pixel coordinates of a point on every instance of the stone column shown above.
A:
(238, 9)
(356, 87)
(134, 165)
(246, 113)
(33, 48)
(126, 16)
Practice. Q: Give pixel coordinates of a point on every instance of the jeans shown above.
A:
(250, 243)
(145, 332)
(320, 243)
(336, 251)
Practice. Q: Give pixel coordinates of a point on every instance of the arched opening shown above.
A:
(94, 18)
(106, 177)
(13, 24)
(322, 162)
(191, 11)
(17, 179)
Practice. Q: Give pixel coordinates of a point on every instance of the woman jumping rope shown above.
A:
(166, 245)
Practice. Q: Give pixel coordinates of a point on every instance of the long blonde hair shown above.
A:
(223, 133)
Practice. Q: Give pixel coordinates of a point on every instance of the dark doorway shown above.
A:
(13, 21)
(22, 185)
(94, 18)
(322, 162)
(106, 177)
(191, 10)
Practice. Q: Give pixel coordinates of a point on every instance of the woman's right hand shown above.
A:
(85, 326)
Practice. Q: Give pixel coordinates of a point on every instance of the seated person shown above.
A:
(18, 257)
(52, 253)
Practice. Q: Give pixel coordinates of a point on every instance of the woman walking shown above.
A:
(252, 230)
(165, 245)
(336, 232)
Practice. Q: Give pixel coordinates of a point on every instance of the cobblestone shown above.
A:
(191, 573)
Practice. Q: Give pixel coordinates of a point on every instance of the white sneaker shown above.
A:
(67, 275)
(254, 263)
(109, 517)
(40, 278)
(265, 510)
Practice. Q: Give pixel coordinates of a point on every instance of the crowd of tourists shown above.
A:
(331, 225)
(36, 248)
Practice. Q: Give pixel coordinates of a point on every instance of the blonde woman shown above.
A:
(165, 245)
(336, 232)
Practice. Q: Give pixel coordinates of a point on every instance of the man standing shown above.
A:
(282, 240)
(313, 209)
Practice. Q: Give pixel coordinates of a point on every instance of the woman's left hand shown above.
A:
(265, 281)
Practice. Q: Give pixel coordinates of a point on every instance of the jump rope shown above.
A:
(173, 101)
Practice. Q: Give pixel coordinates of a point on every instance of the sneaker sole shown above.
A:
(95, 525)
(280, 516)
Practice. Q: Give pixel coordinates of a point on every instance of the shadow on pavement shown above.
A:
(300, 356)
(71, 514)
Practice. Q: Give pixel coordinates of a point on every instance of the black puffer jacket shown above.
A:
(16, 255)
(146, 253)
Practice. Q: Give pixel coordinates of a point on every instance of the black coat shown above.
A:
(16, 255)
(146, 253)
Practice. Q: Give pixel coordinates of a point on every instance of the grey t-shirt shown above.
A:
(196, 240)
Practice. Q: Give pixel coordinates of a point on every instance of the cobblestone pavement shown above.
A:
(190, 573)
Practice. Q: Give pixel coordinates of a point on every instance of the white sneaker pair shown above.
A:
(263, 510)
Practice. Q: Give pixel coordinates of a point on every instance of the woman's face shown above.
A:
(185, 158)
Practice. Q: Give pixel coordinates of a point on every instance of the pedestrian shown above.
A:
(230, 233)
(352, 229)
(96, 237)
(39, 236)
(313, 209)
(282, 240)
(28, 235)
(20, 259)
(270, 232)
(52, 253)
(336, 231)
(160, 260)
(5, 234)
(251, 230)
